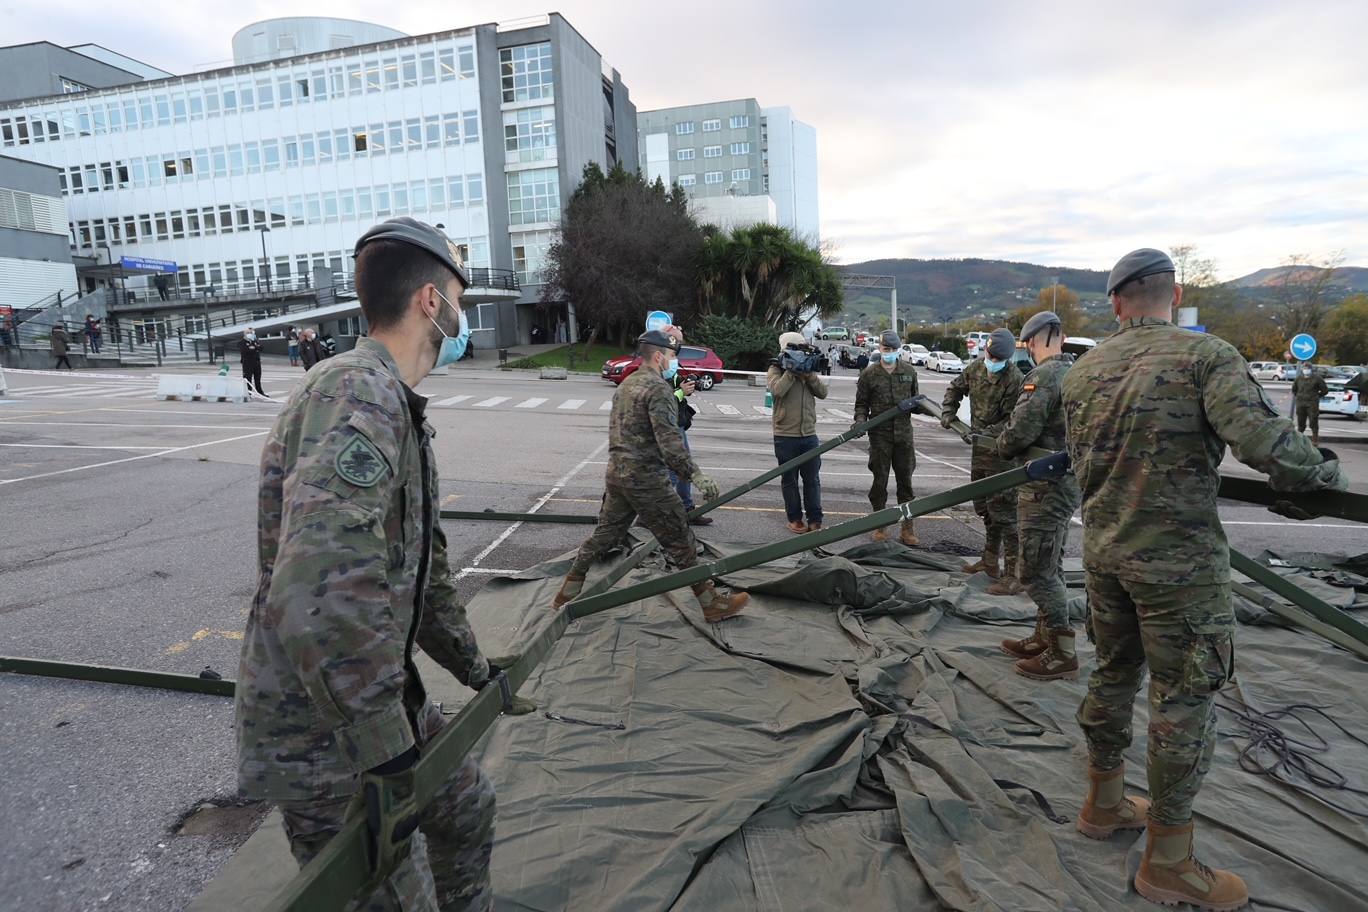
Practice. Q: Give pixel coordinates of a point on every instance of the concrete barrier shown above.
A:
(554, 373)
(207, 388)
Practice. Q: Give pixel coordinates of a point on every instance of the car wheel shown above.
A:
(705, 382)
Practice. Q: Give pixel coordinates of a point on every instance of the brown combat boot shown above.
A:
(988, 564)
(570, 589)
(1108, 808)
(1031, 646)
(1058, 661)
(1007, 584)
(718, 606)
(880, 535)
(1169, 875)
(908, 536)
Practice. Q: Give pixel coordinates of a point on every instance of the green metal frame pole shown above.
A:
(107, 674)
(342, 869)
(1321, 611)
(518, 517)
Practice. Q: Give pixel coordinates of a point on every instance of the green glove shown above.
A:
(706, 486)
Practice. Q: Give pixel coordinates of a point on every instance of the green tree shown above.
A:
(624, 247)
(741, 344)
(1346, 330)
(764, 274)
(1300, 291)
(1059, 298)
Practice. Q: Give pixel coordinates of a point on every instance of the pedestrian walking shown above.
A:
(992, 392)
(93, 333)
(60, 342)
(881, 386)
(311, 351)
(1149, 414)
(292, 345)
(795, 385)
(1307, 389)
(684, 387)
(249, 351)
(1044, 507)
(643, 440)
(353, 573)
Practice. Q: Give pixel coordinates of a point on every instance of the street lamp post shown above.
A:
(265, 263)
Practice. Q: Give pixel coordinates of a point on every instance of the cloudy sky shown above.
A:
(1062, 133)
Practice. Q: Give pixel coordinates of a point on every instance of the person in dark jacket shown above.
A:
(60, 342)
(311, 351)
(684, 387)
(249, 349)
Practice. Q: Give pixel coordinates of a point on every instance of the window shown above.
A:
(391, 68)
(533, 196)
(741, 174)
(451, 129)
(738, 121)
(265, 95)
(285, 91)
(372, 76)
(525, 73)
(470, 126)
(325, 152)
(432, 131)
(712, 177)
(740, 148)
(413, 133)
(446, 64)
(359, 141)
(409, 70)
(466, 58)
(270, 154)
(427, 67)
(456, 192)
(395, 140)
(529, 254)
(356, 81)
(71, 86)
(529, 135)
(712, 151)
(475, 188)
(712, 126)
(342, 144)
(684, 128)
(684, 155)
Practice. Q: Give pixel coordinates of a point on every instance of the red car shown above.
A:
(701, 364)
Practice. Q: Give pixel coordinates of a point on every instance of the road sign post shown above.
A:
(1303, 346)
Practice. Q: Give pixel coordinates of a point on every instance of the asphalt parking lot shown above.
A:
(130, 539)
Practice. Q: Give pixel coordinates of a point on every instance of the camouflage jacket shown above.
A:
(1037, 420)
(991, 396)
(1308, 387)
(353, 571)
(643, 433)
(878, 390)
(1150, 412)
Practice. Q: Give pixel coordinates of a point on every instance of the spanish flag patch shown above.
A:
(1028, 388)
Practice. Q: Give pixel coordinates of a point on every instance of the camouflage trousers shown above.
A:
(1186, 635)
(1309, 412)
(661, 512)
(447, 869)
(1043, 513)
(894, 452)
(999, 512)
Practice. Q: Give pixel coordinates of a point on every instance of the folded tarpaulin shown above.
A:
(856, 739)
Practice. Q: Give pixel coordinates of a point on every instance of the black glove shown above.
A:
(397, 764)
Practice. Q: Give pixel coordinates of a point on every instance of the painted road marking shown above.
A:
(529, 403)
(571, 404)
(101, 465)
(606, 406)
(727, 409)
(763, 411)
(491, 401)
(844, 416)
(454, 400)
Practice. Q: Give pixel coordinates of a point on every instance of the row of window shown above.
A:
(198, 102)
(362, 204)
(713, 177)
(735, 122)
(525, 73)
(533, 196)
(737, 148)
(529, 135)
(273, 155)
(71, 86)
(529, 254)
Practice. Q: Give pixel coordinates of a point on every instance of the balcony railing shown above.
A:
(502, 279)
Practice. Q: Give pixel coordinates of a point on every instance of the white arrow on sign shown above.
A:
(1303, 348)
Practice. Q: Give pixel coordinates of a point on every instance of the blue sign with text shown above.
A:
(1303, 346)
(129, 262)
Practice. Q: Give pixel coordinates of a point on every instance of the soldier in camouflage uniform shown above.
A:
(1044, 507)
(353, 572)
(1307, 389)
(1150, 413)
(993, 385)
(882, 385)
(643, 440)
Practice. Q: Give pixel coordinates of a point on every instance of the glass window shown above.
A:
(196, 106)
(364, 209)
(712, 126)
(285, 91)
(446, 64)
(684, 155)
(451, 129)
(684, 128)
(437, 193)
(533, 196)
(687, 180)
(427, 67)
(740, 148)
(359, 141)
(342, 144)
(277, 208)
(475, 188)
(163, 232)
(306, 150)
(712, 177)
(346, 205)
(252, 151)
(529, 135)
(738, 121)
(230, 99)
(382, 201)
(202, 164)
(337, 81)
(413, 130)
(356, 80)
(211, 103)
(377, 139)
(220, 156)
(525, 73)
(455, 192)
(270, 154)
(395, 136)
(265, 95)
(177, 225)
(391, 68)
(529, 254)
(313, 209)
(246, 98)
(409, 68)
(235, 167)
(296, 210)
(470, 126)
(466, 57)
(712, 151)
(330, 207)
(399, 196)
(318, 85)
(372, 76)
(741, 174)
(325, 155)
(418, 196)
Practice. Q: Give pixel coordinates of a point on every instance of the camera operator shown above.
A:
(796, 386)
(684, 387)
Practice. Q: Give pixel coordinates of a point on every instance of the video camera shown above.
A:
(801, 359)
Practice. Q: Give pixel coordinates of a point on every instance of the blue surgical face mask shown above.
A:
(670, 369)
(993, 366)
(888, 357)
(452, 348)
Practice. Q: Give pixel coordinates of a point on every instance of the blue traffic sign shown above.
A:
(1303, 346)
(658, 319)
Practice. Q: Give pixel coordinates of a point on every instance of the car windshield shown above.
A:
(692, 354)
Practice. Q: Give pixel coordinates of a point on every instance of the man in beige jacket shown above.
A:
(796, 387)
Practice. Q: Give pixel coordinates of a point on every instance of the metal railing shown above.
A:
(248, 290)
(503, 279)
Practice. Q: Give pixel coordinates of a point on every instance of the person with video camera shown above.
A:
(796, 386)
(684, 387)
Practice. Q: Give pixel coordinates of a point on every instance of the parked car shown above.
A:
(917, 354)
(977, 343)
(944, 362)
(1022, 359)
(695, 362)
(834, 334)
(861, 337)
(1341, 401)
(1289, 371)
(1266, 370)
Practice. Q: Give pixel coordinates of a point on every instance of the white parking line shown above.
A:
(491, 401)
(727, 409)
(529, 403)
(752, 472)
(72, 446)
(768, 413)
(101, 465)
(571, 404)
(452, 401)
(844, 416)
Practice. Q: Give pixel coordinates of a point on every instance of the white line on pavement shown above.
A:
(764, 411)
(606, 406)
(943, 462)
(844, 416)
(101, 465)
(195, 427)
(452, 401)
(751, 471)
(529, 403)
(73, 446)
(571, 404)
(490, 402)
(727, 409)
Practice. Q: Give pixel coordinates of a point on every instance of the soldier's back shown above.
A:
(634, 456)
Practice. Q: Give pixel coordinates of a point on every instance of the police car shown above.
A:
(1341, 401)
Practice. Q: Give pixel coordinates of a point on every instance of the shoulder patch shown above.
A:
(1028, 388)
(360, 463)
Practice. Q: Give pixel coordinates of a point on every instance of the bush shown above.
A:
(741, 344)
(925, 337)
(953, 344)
